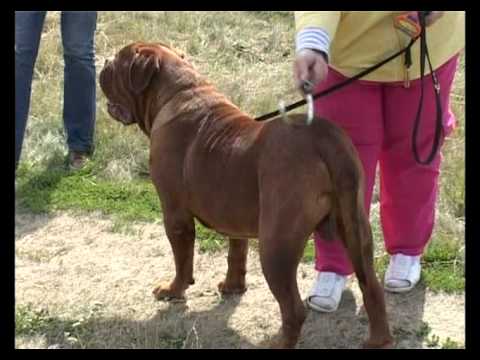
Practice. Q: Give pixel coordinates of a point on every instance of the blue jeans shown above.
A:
(78, 30)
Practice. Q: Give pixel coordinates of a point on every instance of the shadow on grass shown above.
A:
(36, 187)
(406, 317)
(347, 328)
(34, 190)
(176, 326)
(173, 326)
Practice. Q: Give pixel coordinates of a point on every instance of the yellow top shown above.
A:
(360, 39)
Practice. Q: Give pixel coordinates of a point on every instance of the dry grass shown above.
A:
(246, 54)
(93, 290)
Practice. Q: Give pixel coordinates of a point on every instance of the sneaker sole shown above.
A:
(399, 290)
(317, 308)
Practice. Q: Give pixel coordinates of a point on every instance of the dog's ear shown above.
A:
(144, 65)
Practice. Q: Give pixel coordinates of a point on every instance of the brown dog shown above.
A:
(273, 181)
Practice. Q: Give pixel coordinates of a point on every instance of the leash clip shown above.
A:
(307, 88)
(281, 107)
(310, 109)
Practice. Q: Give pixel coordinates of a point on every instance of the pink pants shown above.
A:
(379, 118)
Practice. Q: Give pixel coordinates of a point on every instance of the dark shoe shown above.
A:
(77, 160)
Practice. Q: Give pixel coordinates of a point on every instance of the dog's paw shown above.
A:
(167, 292)
(231, 289)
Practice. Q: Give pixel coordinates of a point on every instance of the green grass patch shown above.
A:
(59, 189)
(424, 330)
(424, 333)
(29, 322)
(209, 240)
(126, 202)
(443, 268)
(68, 333)
(451, 344)
(309, 252)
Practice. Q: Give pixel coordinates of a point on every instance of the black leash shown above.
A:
(407, 50)
(438, 104)
(339, 85)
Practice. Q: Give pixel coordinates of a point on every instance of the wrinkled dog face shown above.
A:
(126, 77)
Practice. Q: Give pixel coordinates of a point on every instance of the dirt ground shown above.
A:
(71, 264)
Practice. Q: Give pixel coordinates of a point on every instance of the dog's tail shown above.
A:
(348, 219)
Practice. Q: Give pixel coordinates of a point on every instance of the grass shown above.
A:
(248, 56)
(90, 330)
(58, 189)
(82, 191)
(424, 333)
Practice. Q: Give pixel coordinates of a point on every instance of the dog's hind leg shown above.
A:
(292, 203)
(283, 233)
(180, 228)
(234, 282)
(356, 231)
(280, 255)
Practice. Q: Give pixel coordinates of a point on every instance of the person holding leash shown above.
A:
(378, 113)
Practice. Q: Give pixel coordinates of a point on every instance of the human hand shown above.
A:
(309, 66)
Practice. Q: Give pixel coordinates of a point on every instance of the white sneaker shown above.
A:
(403, 273)
(327, 291)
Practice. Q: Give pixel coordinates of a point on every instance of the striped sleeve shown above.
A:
(313, 38)
(316, 29)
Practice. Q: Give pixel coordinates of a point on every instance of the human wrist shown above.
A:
(315, 39)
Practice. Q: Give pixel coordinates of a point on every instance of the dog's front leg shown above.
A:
(234, 282)
(180, 228)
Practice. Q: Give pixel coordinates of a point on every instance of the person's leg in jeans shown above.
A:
(408, 189)
(28, 28)
(78, 37)
(356, 108)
